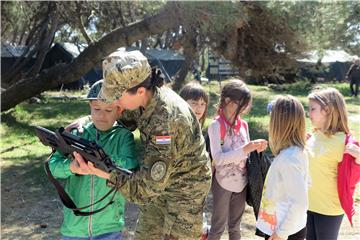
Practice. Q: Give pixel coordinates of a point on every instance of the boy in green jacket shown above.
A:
(84, 189)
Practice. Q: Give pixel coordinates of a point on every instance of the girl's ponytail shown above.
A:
(237, 91)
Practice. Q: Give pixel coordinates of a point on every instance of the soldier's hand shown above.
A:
(78, 124)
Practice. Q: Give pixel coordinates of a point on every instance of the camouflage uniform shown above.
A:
(175, 174)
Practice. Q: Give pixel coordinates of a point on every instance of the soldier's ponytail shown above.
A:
(156, 79)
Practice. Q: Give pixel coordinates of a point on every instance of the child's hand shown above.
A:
(78, 165)
(259, 144)
(88, 168)
(263, 145)
(354, 151)
(275, 237)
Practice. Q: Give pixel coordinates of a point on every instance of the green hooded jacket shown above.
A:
(118, 142)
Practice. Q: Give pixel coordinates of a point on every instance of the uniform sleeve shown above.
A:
(60, 166)
(295, 187)
(128, 119)
(153, 176)
(220, 157)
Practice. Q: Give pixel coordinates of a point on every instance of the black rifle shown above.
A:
(67, 143)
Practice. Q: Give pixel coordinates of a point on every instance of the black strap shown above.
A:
(66, 199)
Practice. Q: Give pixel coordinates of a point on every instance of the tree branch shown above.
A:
(93, 54)
(80, 24)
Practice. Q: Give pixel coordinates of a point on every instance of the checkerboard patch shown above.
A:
(162, 140)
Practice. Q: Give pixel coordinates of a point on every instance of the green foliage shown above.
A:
(323, 24)
(17, 17)
(302, 87)
(213, 18)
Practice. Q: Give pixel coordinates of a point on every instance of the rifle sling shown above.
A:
(66, 199)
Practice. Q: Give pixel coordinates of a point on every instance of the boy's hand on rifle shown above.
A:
(78, 165)
(89, 168)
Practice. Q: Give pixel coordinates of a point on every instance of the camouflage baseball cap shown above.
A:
(94, 90)
(121, 71)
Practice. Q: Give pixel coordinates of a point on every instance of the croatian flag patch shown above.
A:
(161, 140)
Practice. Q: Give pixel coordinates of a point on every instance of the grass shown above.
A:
(24, 184)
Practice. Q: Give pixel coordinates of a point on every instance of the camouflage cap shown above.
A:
(121, 71)
(94, 90)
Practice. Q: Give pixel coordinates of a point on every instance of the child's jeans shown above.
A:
(322, 226)
(106, 236)
(227, 207)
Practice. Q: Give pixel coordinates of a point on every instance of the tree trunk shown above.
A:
(93, 54)
(180, 79)
(47, 36)
(189, 46)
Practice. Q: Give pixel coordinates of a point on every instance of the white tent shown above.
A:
(328, 56)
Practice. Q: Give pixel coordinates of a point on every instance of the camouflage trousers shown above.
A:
(163, 220)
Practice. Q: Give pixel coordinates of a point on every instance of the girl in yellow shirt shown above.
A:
(328, 115)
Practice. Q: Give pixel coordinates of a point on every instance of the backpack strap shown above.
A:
(222, 129)
(244, 125)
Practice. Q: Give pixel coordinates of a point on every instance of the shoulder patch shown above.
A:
(158, 171)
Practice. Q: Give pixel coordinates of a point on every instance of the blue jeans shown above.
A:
(106, 236)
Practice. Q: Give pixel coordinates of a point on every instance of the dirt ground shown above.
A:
(31, 209)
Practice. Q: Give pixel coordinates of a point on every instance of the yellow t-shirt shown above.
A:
(325, 154)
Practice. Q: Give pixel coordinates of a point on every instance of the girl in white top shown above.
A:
(229, 159)
(284, 201)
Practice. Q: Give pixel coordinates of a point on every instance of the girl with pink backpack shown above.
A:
(230, 145)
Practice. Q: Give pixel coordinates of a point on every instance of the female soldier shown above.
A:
(175, 175)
